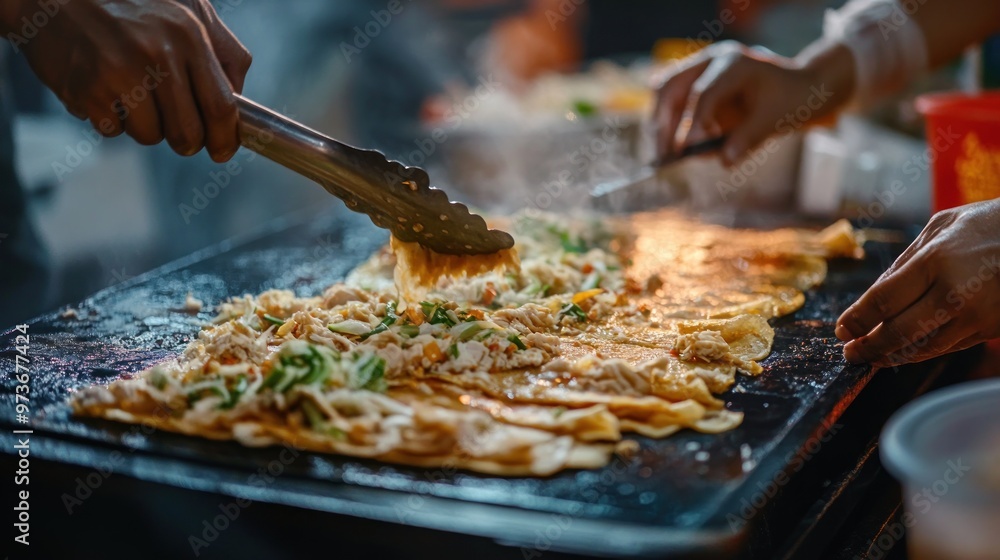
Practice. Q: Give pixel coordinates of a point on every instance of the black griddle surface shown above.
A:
(677, 495)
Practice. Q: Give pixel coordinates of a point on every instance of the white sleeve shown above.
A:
(888, 45)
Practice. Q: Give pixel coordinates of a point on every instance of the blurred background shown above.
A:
(502, 100)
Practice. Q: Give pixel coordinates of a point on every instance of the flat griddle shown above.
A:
(684, 496)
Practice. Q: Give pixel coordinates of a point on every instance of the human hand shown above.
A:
(941, 295)
(729, 89)
(154, 69)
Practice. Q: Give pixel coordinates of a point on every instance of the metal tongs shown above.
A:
(396, 197)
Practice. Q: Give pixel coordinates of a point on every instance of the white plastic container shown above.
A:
(945, 450)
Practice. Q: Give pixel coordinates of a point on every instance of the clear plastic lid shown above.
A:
(952, 434)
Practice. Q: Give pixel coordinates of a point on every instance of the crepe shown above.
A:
(521, 363)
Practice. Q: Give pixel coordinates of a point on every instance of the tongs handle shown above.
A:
(703, 147)
(302, 149)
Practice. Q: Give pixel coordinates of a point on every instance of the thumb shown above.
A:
(745, 137)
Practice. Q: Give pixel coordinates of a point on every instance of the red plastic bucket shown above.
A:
(963, 135)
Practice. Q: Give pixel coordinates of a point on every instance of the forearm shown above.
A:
(831, 66)
(873, 47)
(951, 26)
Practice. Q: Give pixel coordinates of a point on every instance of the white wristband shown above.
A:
(889, 47)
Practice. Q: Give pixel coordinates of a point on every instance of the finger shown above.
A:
(105, 120)
(935, 225)
(915, 326)
(74, 104)
(671, 99)
(745, 137)
(234, 57)
(140, 116)
(182, 124)
(99, 108)
(718, 86)
(217, 108)
(77, 112)
(889, 296)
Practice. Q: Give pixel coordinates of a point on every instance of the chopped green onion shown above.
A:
(592, 281)
(573, 310)
(485, 334)
(382, 327)
(559, 411)
(453, 350)
(318, 421)
(371, 374)
(274, 379)
(516, 340)
(569, 244)
(465, 317)
(237, 391)
(350, 326)
(584, 108)
(437, 315)
(537, 289)
(409, 331)
(317, 369)
(299, 369)
(335, 432)
(158, 378)
(274, 320)
(313, 414)
(390, 318)
(470, 332)
(198, 394)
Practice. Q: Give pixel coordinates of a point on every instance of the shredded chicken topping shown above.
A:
(705, 346)
(513, 364)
